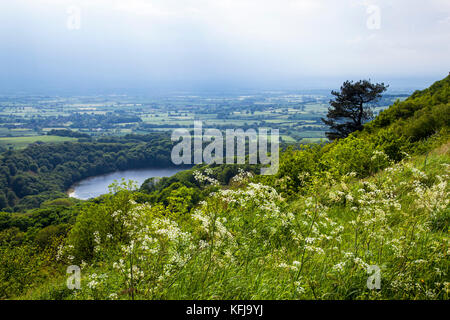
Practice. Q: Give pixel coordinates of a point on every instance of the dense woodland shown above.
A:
(377, 197)
(45, 171)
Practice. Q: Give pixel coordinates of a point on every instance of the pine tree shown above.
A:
(352, 107)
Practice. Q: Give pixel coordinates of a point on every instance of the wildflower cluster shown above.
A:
(248, 242)
(205, 177)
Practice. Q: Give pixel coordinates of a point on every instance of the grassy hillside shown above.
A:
(377, 200)
(247, 242)
(423, 114)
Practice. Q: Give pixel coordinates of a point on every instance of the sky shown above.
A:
(122, 46)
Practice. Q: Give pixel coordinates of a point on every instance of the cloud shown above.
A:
(238, 41)
(141, 7)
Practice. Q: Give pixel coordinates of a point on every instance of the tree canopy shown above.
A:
(351, 107)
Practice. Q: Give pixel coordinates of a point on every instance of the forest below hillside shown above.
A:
(43, 172)
(376, 199)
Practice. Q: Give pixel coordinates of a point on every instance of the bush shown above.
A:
(356, 156)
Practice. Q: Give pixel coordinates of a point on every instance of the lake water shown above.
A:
(95, 186)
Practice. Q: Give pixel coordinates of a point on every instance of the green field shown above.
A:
(22, 142)
(286, 138)
(296, 116)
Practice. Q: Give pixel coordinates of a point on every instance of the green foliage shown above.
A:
(65, 202)
(98, 221)
(427, 107)
(18, 269)
(351, 107)
(247, 242)
(45, 236)
(297, 167)
(426, 122)
(393, 144)
(44, 172)
(355, 156)
(378, 197)
(68, 133)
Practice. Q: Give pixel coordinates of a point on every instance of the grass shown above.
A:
(23, 142)
(287, 138)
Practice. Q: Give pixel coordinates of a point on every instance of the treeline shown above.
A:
(44, 171)
(77, 120)
(68, 133)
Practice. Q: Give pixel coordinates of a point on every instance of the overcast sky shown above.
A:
(124, 45)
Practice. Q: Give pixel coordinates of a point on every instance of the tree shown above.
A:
(351, 107)
(3, 201)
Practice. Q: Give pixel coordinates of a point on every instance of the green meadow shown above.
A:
(23, 142)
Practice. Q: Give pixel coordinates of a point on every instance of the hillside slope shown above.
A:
(423, 114)
(376, 201)
(247, 242)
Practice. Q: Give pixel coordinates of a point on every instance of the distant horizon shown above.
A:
(395, 86)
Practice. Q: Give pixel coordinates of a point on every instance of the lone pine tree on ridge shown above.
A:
(352, 107)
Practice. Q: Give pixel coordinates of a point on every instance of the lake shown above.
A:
(95, 186)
